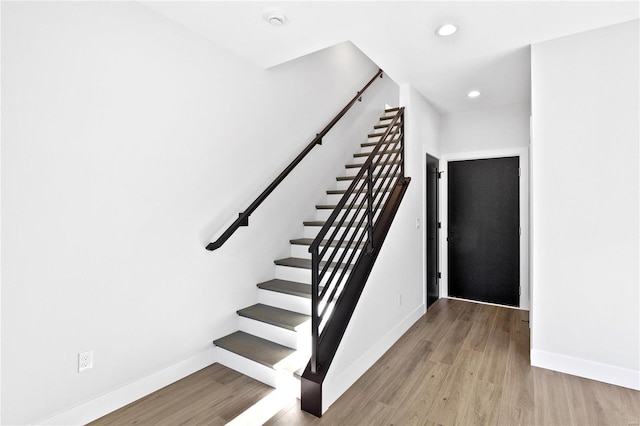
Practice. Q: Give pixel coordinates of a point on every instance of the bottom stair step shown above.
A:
(254, 348)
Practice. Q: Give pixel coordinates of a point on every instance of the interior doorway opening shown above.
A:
(432, 230)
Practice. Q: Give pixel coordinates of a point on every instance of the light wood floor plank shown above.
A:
(461, 364)
(551, 399)
(483, 407)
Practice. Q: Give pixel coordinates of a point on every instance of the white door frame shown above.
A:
(523, 154)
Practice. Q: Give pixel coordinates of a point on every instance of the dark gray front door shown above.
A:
(484, 230)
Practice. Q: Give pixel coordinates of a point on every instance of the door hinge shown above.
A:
(439, 274)
(519, 172)
(520, 230)
(440, 175)
(439, 225)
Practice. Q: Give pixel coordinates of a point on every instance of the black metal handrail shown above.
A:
(333, 252)
(243, 218)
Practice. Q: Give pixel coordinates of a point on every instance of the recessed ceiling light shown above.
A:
(275, 18)
(473, 94)
(446, 30)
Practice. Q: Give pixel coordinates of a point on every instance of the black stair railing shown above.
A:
(243, 218)
(348, 233)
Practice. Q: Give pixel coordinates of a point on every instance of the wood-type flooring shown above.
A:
(462, 363)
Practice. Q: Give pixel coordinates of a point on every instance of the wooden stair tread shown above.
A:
(292, 288)
(375, 135)
(342, 191)
(333, 207)
(308, 241)
(254, 348)
(383, 126)
(342, 178)
(274, 316)
(366, 144)
(356, 166)
(366, 154)
(392, 109)
(296, 262)
(320, 223)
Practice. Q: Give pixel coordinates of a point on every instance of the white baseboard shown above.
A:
(118, 398)
(588, 369)
(332, 389)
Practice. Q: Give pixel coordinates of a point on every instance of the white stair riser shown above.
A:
(275, 378)
(324, 214)
(300, 275)
(294, 339)
(334, 199)
(285, 301)
(288, 273)
(302, 252)
(345, 184)
(354, 171)
(377, 204)
(312, 231)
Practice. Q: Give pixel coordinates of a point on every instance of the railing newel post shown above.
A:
(315, 321)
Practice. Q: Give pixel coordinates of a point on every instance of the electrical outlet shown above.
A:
(85, 361)
(418, 223)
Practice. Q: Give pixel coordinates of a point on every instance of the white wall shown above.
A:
(393, 298)
(126, 142)
(585, 205)
(486, 129)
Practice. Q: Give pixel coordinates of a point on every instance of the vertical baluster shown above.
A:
(370, 207)
(315, 321)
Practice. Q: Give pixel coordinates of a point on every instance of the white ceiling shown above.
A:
(490, 52)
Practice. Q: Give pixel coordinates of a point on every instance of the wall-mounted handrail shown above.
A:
(243, 218)
(349, 232)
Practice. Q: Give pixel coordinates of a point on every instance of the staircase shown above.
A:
(273, 344)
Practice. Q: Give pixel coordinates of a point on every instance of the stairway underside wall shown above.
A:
(394, 296)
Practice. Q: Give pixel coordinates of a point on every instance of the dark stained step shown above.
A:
(287, 287)
(367, 144)
(319, 223)
(366, 154)
(274, 316)
(254, 348)
(331, 207)
(357, 166)
(382, 126)
(342, 191)
(375, 135)
(295, 262)
(342, 178)
(308, 241)
(392, 109)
